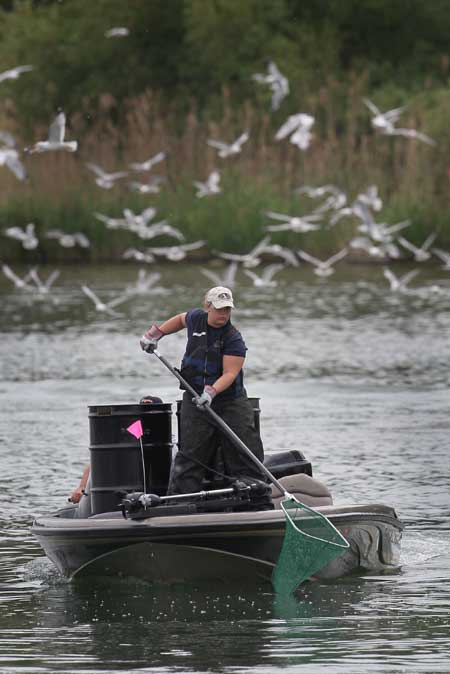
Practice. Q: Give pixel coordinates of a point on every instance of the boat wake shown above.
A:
(42, 572)
(419, 549)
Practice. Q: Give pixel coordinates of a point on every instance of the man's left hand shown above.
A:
(76, 495)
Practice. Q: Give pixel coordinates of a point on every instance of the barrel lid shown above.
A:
(128, 408)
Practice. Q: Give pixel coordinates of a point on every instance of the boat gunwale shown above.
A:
(215, 523)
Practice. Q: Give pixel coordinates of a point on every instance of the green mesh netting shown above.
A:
(310, 542)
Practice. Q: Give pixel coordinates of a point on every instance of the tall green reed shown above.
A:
(61, 193)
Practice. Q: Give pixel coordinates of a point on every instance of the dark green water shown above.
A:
(354, 375)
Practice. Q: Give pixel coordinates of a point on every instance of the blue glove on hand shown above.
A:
(149, 340)
(206, 398)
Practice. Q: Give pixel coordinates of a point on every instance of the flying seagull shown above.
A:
(279, 251)
(138, 255)
(145, 283)
(27, 235)
(103, 179)
(398, 284)
(367, 245)
(137, 220)
(235, 147)
(14, 73)
(7, 139)
(117, 31)
(161, 228)
(422, 253)
(152, 186)
(444, 256)
(210, 186)
(43, 286)
(298, 224)
(106, 307)
(370, 198)
(298, 127)
(67, 240)
(227, 279)
(265, 280)
(277, 82)
(176, 253)
(111, 223)
(250, 259)
(323, 268)
(55, 141)
(337, 199)
(9, 157)
(21, 283)
(385, 123)
(149, 163)
(253, 258)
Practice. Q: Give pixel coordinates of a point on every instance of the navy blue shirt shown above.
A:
(203, 359)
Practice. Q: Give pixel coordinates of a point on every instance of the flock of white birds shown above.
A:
(377, 240)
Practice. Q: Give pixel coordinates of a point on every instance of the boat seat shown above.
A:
(306, 489)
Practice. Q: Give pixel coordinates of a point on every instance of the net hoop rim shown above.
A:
(343, 542)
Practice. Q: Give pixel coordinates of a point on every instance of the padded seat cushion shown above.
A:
(306, 489)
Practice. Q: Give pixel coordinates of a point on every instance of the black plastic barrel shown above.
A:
(116, 458)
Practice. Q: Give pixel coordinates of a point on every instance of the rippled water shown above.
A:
(356, 376)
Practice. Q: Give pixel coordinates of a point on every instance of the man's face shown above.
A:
(218, 317)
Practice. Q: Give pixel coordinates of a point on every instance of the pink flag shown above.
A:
(136, 429)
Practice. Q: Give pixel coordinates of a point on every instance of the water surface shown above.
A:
(354, 375)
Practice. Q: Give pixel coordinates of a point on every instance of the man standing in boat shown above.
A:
(213, 366)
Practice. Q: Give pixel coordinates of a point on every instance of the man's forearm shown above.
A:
(174, 324)
(85, 477)
(225, 381)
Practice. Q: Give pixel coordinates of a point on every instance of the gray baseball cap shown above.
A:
(220, 297)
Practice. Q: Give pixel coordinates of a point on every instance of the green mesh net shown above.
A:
(310, 542)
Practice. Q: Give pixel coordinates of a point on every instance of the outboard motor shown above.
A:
(290, 462)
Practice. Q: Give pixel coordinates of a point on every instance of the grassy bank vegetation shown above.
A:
(61, 193)
(126, 101)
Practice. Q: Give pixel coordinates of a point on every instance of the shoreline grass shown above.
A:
(60, 193)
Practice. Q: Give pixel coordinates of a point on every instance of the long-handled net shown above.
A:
(310, 542)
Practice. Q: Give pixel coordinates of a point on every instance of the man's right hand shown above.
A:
(149, 340)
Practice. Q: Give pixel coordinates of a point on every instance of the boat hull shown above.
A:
(227, 547)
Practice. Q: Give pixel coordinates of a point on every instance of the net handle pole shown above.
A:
(235, 439)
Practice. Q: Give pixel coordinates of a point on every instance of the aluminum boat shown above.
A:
(222, 534)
